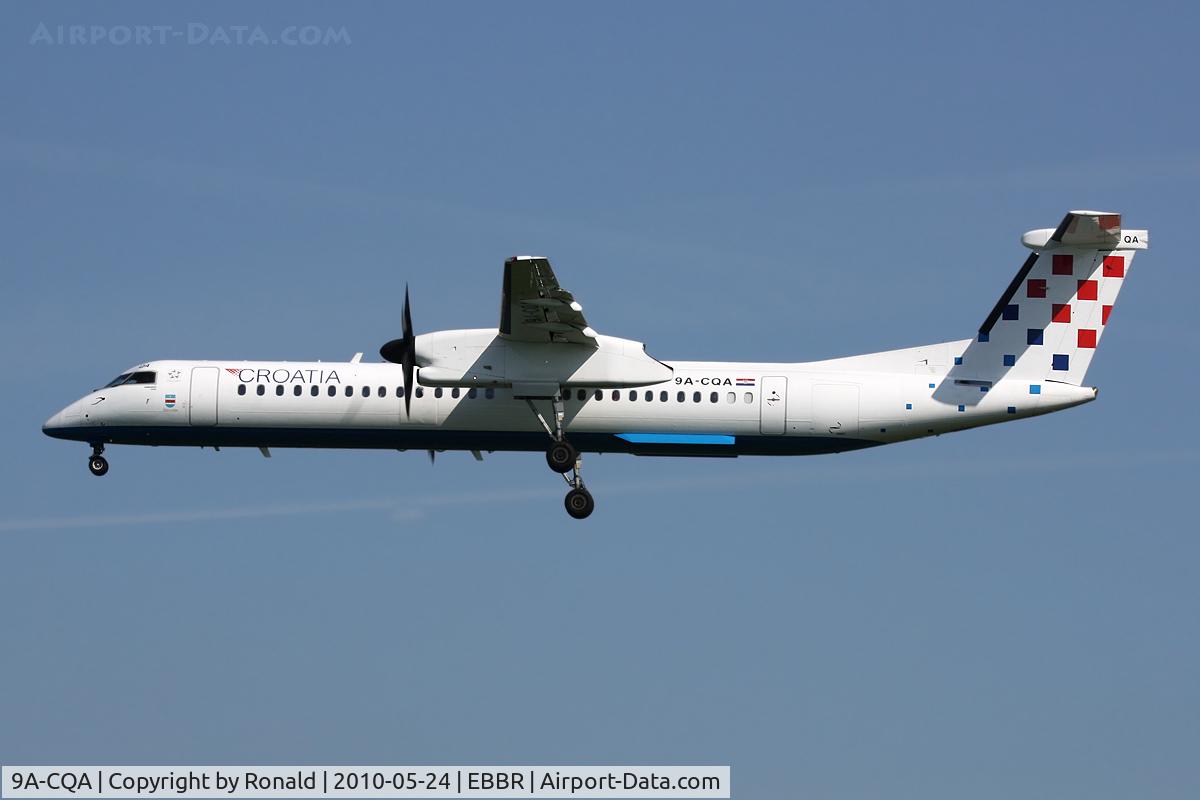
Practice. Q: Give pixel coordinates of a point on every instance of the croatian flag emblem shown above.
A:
(169, 400)
(745, 381)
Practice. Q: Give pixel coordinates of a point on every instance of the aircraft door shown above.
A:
(835, 409)
(773, 406)
(202, 405)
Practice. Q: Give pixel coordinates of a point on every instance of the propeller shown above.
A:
(402, 351)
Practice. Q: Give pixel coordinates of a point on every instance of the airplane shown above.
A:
(545, 380)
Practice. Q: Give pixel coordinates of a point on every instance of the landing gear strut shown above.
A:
(97, 463)
(562, 457)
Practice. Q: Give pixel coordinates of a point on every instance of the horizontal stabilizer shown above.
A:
(1099, 230)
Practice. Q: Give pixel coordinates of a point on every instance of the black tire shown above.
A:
(560, 457)
(579, 503)
(98, 465)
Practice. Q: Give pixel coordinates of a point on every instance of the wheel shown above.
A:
(98, 465)
(579, 503)
(560, 457)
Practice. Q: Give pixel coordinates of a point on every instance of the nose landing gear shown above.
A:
(97, 464)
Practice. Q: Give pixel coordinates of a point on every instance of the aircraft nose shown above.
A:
(55, 423)
(58, 425)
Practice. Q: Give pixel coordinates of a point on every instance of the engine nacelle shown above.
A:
(484, 358)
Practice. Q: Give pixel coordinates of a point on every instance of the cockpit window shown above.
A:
(131, 378)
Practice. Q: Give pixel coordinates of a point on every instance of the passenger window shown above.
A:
(315, 390)
(332, 390)
(599, 395)
(279, 390)
(472, 393)
(633, 394)
(662, 397)
(695, 397)
(261, 390)
(382, 392)
(489, 393)
(437, 392)
(420, 391)
(749, 398)
(616, 395)
(649, 396)
(581, 395)
(731, 397)
(399, 391)
(297, 389)
(712, 398)
(679, 397)
(349, 391)
(241, 388)
(454, 392)
(366, 391)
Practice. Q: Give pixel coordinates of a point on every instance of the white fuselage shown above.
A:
(704, 408)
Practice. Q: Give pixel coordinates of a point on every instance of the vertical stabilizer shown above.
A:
(1049, 322)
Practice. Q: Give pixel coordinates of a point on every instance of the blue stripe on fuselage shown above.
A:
(677, 438)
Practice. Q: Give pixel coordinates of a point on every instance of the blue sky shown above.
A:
(1002, 612)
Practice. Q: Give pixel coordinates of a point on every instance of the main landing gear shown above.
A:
(579, 502)
(97, 463)
(562, 457)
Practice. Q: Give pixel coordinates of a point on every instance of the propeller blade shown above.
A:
(409, 360)
(402, 351)
(406, 322)
(432, 457)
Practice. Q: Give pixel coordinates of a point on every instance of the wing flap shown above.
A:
(534, 308)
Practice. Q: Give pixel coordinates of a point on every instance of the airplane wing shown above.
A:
(534, 308)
